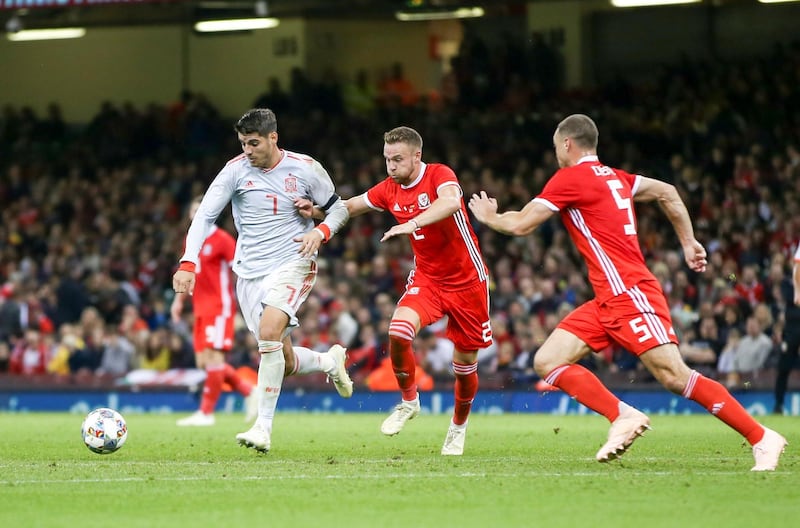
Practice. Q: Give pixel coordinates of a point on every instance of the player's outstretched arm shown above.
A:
(668, 199)
(517, 223)
(176, 308)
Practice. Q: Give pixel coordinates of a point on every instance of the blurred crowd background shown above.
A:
(94, 214)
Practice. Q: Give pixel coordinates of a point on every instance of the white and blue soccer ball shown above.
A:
(104, 431)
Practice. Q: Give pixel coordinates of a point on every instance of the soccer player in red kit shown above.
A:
(596, 206)
(214, 308)
(450, 277)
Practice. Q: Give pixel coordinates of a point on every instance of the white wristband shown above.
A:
(415, 223)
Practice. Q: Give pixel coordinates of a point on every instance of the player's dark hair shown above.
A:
(403, 134)
(259, 121)
(581, 129)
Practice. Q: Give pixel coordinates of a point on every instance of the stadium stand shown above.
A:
(93, 214)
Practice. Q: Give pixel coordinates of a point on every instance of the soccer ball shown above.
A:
(104, 431)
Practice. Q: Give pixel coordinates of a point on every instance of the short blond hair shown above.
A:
(403, 134)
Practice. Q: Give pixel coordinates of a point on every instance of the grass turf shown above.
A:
(332, 470)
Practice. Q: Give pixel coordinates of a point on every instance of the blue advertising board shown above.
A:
(758, 403)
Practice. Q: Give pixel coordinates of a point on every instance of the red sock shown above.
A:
(215, 377)
(718, 401)
(585, 387)
(233, 379)
(401, 336)
(465, 390)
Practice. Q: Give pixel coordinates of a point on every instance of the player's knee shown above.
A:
(543, 366)
(270, 347)
(671, 380)
(401, 333)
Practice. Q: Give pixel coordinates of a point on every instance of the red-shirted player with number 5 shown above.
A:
(596, 205)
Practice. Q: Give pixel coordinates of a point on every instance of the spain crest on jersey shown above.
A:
(290, 184)
(424, 201)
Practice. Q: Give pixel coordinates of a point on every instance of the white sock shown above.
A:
(270, 379)
(307, 361)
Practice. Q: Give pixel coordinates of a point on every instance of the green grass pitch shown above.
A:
(337, 470)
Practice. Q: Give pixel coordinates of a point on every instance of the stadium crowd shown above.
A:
(94, 215)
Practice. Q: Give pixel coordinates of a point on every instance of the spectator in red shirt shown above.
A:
(30, 355)
(749, 287)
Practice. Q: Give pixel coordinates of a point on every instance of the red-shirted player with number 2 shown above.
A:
(596, 206)
(450, 276)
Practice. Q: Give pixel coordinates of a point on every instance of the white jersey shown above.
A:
(263, 210)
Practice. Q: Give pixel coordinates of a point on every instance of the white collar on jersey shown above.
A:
(587, 159)
(422, 166)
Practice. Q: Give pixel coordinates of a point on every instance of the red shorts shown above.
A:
(213, 332)
(467, 311)
(638, 320)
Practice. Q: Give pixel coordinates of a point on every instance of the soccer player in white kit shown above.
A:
(275, 258)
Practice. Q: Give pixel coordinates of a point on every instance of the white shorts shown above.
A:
(286, 289)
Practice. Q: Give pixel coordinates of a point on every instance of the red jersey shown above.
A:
(213, 290)
(596, 205)
(446, 252)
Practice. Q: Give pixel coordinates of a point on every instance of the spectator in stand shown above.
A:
(91, 331)
(118, 354)
(71, 294)
(343, 328)
(763, 314)
(753, 350)
(11, 314)
(726, 370)
(69, 345)
(366, 356)
(730, 317)
(181, 353)
(275, 97)
(5, 356)
(133, 327)
(156, 354)
(701, 348)
(381, 279)
(435, 353)
(30, 355)
(749, 287)
(395, 89)
(360, 95)
(522, 371)
(790, 344)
